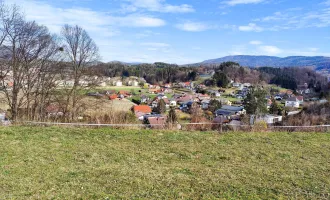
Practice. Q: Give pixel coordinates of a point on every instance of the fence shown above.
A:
(193, 126)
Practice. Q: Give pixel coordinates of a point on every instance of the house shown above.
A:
(124, 94)
(278, 98)
(141, 110)
(54, 110)
(247, 84)
(188, 85)
(201, 86)
(202, 97)
(185, 98)
(154, 104)
(153, 91)
(303, 89)
(118, 83)
(230, 110)
(168, 85)
(185, 106)
(205, 104)
(237, 85)
(300, 99)
(144, 99)
(225, 101)
(156, 100)
(113, 97)
(135, 83)
(289, 93)
(173, 103)
(292, 102)
(167, 90)
(102, 84)
(270, 119)
(156, 122)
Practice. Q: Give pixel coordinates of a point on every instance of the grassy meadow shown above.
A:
(76, 163)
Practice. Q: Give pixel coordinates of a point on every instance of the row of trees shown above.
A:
(34, 61)
(291, 78)
(152, 73)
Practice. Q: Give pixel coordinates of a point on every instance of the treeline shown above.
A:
(231, 71)
(291, 78)
(152, 73)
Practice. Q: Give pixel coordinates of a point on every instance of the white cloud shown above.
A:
(327, 3)
(193, 26)
(101, 26)
(156, 6)
(251, 27)
(270, 50)
(54, 18)
(255, 42)
(292, 19)
(237, 2)
(313, 49)
(137, 20)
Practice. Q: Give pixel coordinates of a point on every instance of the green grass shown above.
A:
(73, 163)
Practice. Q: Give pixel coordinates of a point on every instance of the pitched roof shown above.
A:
(142, 108)
(113, 96)
(292, 99)
(300, 98)
(157, 122)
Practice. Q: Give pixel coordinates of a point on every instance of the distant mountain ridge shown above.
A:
(319, 62)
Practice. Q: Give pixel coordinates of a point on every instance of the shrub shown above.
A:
(260, 126)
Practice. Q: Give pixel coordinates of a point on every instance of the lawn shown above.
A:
(75, 163)
(123, 88)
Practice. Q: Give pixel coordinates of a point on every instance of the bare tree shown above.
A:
(28, 50)
(80, 52)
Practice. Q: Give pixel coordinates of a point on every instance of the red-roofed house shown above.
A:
(113, 97)
(141, 110)
(300, 99)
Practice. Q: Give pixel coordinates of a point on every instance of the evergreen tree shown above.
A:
(260, 95)
(255, 102)
(250, 104)
(214, 105)
(220, 79)
(172, 117)
(274, 108)
(161, 108)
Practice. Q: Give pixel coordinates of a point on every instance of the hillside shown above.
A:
(318, 62)
(73, 163)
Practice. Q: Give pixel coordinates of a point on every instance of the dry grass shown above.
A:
(105, 106)
(73, 163)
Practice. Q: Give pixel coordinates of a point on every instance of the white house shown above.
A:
(119, 83)
(237, 85)
(135, 83)
(247, 84)
(103, 84)
(270, 119)
(173, 103)
(292, 102)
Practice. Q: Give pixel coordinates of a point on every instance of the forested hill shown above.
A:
(318, 62)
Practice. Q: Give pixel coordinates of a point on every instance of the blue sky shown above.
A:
(188, 31)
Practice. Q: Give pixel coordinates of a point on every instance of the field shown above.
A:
(104, 105)
(74, 163)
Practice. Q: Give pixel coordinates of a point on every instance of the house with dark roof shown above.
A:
(155, 121)
(226, 110)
